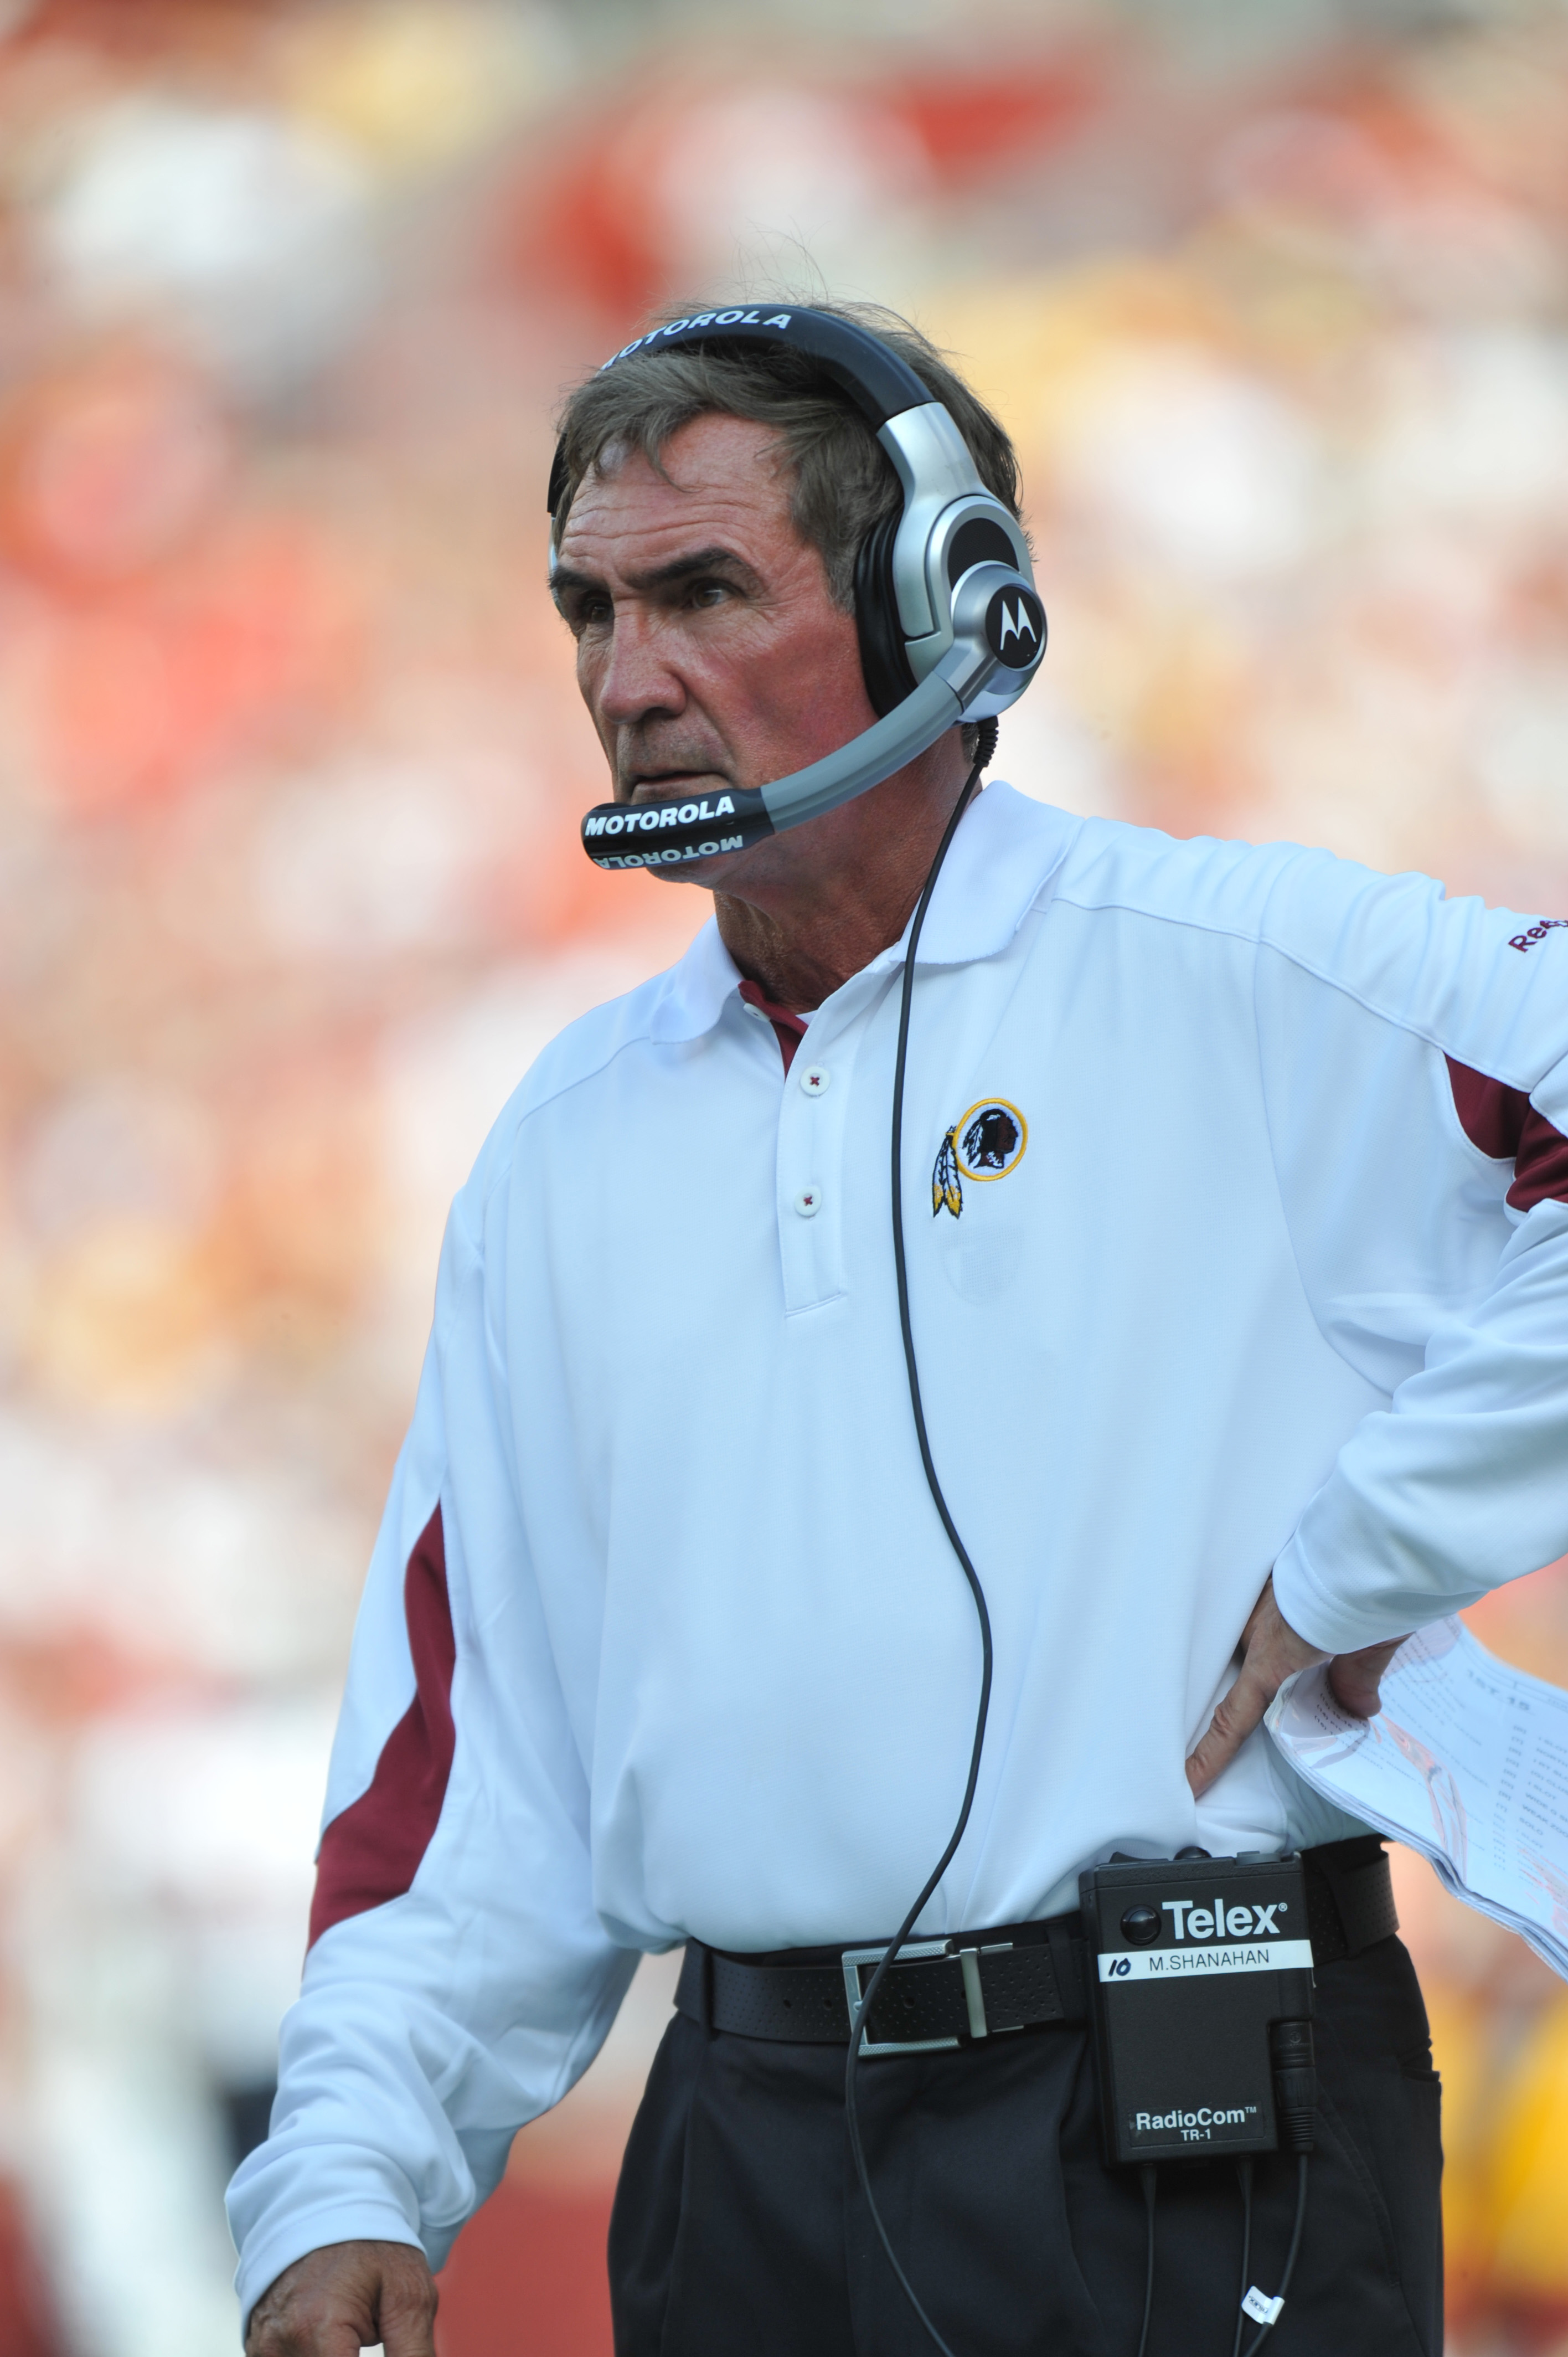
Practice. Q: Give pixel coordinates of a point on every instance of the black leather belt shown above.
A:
(1350, 1898)
(977, 1985)
(1018, 1976)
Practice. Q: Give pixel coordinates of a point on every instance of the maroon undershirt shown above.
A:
(789, 1029)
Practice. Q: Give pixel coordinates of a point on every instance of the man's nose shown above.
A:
(637, 679)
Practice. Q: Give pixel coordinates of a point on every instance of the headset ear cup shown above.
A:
(886, 665)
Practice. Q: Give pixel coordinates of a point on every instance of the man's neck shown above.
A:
(801, 936)
(799, 965)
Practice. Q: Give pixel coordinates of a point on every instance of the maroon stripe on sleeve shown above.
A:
(371, 1851)
(1504, 1124)
(1491, 1116)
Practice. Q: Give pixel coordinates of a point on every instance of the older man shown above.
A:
(1239, 1311)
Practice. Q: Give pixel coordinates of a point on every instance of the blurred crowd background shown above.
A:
(1274, 297)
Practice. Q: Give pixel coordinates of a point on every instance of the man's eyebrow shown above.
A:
(665, 576)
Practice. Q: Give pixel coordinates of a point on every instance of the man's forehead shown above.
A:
(720, 478)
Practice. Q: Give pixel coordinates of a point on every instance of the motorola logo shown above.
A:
(1015, 628)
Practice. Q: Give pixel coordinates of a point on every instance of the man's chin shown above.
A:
(717, 874)
(690, 786)
(723, 868)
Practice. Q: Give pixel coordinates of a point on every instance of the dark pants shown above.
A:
(739, 2227)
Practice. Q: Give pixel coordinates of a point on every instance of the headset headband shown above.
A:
(879, 382)
(964, 599)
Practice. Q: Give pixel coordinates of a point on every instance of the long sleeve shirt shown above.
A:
(1235, 1191)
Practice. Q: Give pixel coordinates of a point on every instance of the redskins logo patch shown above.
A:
(986, 1142)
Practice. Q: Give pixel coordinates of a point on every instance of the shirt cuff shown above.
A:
(271, 2249)
(1330, 1621)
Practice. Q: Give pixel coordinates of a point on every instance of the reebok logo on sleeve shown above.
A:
(1527, 940)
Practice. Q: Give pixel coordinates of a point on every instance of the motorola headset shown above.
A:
(951, 628)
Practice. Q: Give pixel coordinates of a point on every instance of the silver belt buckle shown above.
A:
(915, 1952)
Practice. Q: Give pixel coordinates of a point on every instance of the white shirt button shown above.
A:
(814, 1079)
(809, 1202)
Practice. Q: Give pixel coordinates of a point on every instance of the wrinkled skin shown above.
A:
(345, 2298)
(710, 654)
(1271, 1653)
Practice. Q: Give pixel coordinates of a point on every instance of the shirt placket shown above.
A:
(812, 1111)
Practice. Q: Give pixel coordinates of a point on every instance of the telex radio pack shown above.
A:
(1200, 1972)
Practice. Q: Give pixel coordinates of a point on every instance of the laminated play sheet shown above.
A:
(1465, 1761)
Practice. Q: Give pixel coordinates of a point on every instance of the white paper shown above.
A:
(1467, 1761)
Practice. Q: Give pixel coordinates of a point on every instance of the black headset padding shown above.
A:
(883, 659)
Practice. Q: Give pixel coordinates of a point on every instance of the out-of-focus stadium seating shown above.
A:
(290, 768)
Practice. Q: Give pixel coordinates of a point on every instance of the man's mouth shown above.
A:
(670, 785)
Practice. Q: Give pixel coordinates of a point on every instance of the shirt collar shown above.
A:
(1004, 852)
(1006, 849)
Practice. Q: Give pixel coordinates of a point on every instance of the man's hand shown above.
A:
(348, 2297)
(1271, 1653)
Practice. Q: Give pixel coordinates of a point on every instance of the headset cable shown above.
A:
(1149, 2176)
(1278, 2302)
(985, 749)
(1244, 2180)
(1292, 2047)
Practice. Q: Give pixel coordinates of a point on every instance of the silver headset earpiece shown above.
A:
(971, 621)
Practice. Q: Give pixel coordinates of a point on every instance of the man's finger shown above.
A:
(406, 2334)
(345, 2298)
(1234, 1718)
(412, 2338)
(1356, 1678)
(407, 2310)
(300, 2330)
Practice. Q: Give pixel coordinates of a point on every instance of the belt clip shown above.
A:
(915, 1952)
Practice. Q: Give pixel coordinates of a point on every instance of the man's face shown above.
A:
(708, 651)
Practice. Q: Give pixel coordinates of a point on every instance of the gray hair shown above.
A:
(844, 479)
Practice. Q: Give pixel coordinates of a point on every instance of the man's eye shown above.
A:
(710, 593)
(590, 613)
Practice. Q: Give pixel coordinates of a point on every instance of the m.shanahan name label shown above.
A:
(1196, 1962)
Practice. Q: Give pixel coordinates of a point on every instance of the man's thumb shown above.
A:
(1356, 1679)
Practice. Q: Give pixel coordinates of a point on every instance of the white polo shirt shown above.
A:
(1208, 1154)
